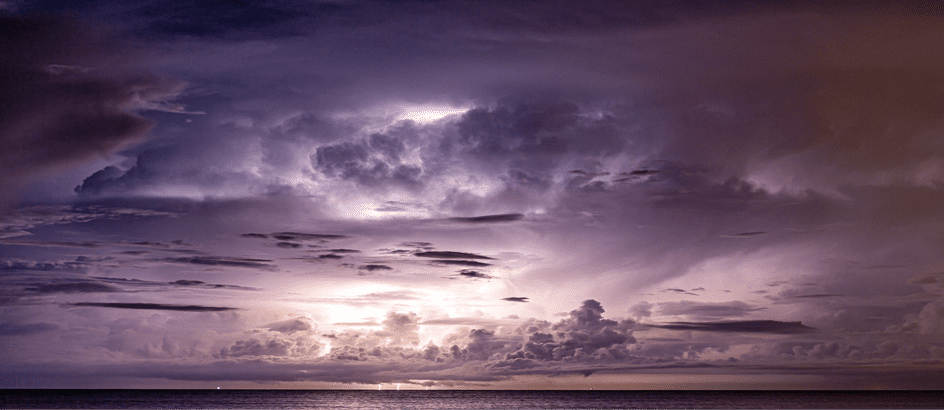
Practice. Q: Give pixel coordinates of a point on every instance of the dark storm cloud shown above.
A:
(370, 164)
(489, 218)
(224, 261)
(66, 112)
(450, 254)
(534, 137)
(516, 299)
(741, 326)
(152, 306)
(685, 124)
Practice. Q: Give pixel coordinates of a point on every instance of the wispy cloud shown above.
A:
(450, 255)
(152, 306)
(489, 218)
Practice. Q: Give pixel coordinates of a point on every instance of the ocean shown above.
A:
(466, 399)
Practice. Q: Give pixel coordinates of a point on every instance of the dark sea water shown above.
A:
(455, 399)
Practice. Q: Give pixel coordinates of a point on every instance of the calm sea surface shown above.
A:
(451, 399)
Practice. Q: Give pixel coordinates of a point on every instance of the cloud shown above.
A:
(293, 343)
(65, 114)
(584, 336)
(224, 261)
(745, 234)
(707, 310)
(371, 163)
(255, 235)
(18, 222)
(740, 326)
(152, 306)
(474, 264)
(471, 273)
(296, 236)
(489, 218)
(14, 265)
(450, 254)
(73, 287)
(299, 324)
(374, 267)
(25, 329)
(419, 245)
(197, 283)
(681, 291)
(516, 299)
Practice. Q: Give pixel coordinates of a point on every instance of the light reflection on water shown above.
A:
(461, 399)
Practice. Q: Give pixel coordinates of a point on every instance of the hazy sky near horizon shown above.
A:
(477, 194)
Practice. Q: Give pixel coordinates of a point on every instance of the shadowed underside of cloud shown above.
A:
(450, 255)
(745, 234)
(461, 263)
(296, 236)
(707, 310)
(471, 273)
(202, 284)
(489, 218)
(516, 299)
(152, 306)
(225, 261)
(374, 267)
(740, 326)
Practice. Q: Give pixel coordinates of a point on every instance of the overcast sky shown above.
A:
(359, 194)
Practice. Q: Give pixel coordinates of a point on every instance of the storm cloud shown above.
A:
(756, 185)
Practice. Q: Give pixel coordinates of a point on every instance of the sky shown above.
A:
(471, 195)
